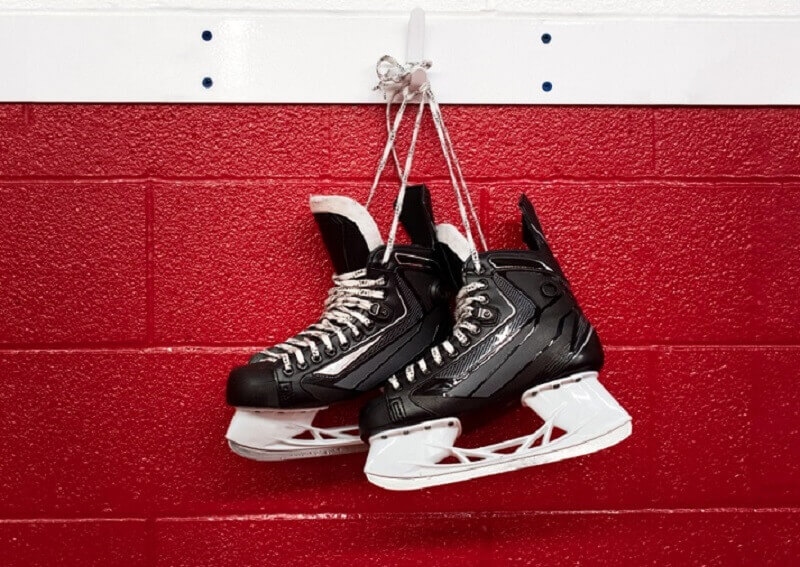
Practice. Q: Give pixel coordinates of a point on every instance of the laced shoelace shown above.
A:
(468, 302)
(469, 310)
(348, 300)
(354, 299)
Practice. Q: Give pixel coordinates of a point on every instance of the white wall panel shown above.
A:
(155, 53)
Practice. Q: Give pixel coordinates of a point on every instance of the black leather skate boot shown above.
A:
(519, 335)
(377, 318)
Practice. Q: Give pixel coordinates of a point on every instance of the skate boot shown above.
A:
(519, 334)
(379, 316)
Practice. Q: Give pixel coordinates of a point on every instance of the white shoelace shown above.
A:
(351, 300)
(468, 308)
(395, 79)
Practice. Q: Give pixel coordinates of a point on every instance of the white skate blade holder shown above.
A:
(410, 458)
(280, 435)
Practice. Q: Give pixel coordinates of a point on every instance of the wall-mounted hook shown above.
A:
(415, 49)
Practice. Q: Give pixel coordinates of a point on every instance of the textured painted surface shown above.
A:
(515, 142)
(87, 543)
(515, 539)
(92, 140)
(72, 263)
(758, 142)
(144, 250)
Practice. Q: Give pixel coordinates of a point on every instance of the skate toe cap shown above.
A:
(253, 385)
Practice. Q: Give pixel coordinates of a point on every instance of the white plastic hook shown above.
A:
(415, 49)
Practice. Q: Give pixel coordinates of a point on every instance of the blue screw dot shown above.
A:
(546, 38)
(207, 35)
(207, 82)
(547, 86)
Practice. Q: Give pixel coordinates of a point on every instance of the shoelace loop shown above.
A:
(394, 76)
(353, 300)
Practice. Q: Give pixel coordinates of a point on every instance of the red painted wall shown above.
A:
(146, 249)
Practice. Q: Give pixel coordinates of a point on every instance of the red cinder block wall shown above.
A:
(146, 249)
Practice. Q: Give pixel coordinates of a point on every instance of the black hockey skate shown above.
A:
(378, 317)
(519, 335)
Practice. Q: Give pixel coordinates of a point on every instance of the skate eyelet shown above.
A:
(549, 289)
(316, 358)
(288, 371)
(330, 351)
(374, 309)
(483, 299)
(344, 347)
(302, 366)
(474, 332)
(484, 283)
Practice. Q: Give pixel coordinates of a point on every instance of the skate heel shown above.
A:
(580, 406)
(404, 453)
(279, 435)
(410, 458)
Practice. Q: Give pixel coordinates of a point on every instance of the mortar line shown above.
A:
(149, 265)
(677, 179)
(466, 514)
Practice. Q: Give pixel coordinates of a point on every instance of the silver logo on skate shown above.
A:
(338, 366)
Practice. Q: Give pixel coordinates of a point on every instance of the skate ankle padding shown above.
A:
(348, 231)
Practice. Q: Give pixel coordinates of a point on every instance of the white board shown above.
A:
(319, 57)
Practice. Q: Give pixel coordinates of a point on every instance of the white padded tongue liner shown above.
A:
(353, 211)
(450, 236)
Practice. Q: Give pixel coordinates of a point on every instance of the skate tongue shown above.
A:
(348, 231)
(417, 216)
(532, 232)
(533, 235)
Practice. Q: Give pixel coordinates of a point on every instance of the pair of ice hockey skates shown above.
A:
(514, 334)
